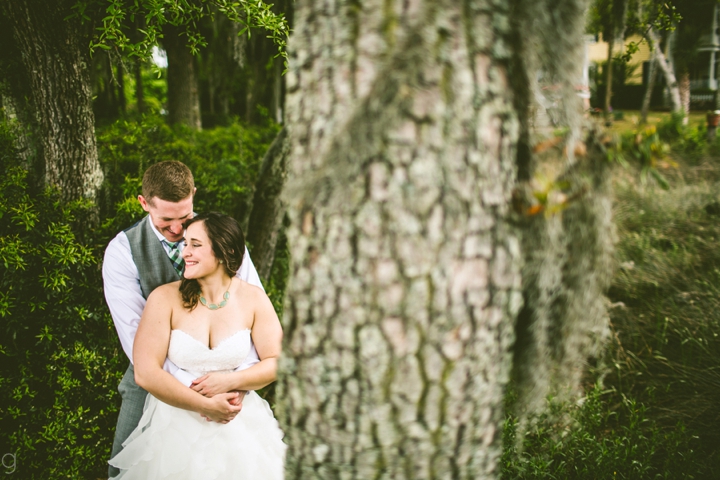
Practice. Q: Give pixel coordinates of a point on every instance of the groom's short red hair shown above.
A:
(170, 180)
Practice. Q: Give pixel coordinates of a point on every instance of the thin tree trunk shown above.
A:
(670, 79)
(122, 100)
(648, 91)
(268, 209)
(609, 78)
(684, 89)
(139, 91)
(277, 98)
(183, 95)
(50, 85)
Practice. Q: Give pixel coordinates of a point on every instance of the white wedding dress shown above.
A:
(172, 443)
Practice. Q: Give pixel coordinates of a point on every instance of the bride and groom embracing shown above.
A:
(201, 335)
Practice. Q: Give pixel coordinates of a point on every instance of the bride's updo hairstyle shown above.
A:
(228, 246)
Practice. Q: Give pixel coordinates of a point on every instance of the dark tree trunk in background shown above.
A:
(609, 78)
(240, 75)
(220, 68)
(106, 103)
(183, 95)
(614, 31)
(139, 92)
(120, 77)
(652, 74)
(50, 87)
(277, 98)
(268, 209)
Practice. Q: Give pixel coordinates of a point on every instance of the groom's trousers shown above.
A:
(131, 410)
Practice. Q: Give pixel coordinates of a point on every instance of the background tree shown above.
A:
(46, 70)
(608, 17)
(410, 130)
(182, 80)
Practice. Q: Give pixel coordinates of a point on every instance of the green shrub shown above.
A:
(225, 162)
(61, 359)
(60, 356)
(690, 141)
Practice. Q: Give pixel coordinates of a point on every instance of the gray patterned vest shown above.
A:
(150, 257)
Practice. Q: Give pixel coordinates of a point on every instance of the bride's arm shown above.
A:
(149, 352)
(267, 337)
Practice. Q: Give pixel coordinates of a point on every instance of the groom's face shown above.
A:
(168, 217)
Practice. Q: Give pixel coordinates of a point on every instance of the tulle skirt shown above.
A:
(172, 443)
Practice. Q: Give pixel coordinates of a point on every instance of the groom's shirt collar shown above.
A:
(157, 233)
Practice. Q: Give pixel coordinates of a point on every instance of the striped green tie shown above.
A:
(175, 257)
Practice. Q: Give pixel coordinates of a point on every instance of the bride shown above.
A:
(206, 324)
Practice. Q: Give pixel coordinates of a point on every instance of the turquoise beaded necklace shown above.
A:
(215, 306)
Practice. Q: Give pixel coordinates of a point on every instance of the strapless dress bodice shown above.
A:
(191, 355)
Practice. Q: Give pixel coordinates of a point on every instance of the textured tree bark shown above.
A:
(183, 96)
(268, 209)
(50, 87)
(405, 278)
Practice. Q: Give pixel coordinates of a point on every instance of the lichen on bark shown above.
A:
(407, 122)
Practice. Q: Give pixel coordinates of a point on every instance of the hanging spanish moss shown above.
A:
(563, 203)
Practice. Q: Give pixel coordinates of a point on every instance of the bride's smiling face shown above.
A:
(198, 254)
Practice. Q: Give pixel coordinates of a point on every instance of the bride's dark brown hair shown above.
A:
(228, 246)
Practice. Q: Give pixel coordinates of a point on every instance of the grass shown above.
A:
(653, 408)
(631, 118)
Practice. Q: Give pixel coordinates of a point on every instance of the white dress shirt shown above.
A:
(121, 281)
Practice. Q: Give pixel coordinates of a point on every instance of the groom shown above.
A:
(140, 259)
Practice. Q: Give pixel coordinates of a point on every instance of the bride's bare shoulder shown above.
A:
(168, 293)
(245, 288)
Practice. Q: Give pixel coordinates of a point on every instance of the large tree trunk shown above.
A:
(50, 86)
(405, 281)
(268, 209)
(183, 96)
(405, 278)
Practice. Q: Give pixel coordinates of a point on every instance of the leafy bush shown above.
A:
(225, 163)
(689, 141)
(60, 357)
(61, 360)
(645, 149)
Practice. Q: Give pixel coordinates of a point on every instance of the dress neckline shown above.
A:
(206, 346)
